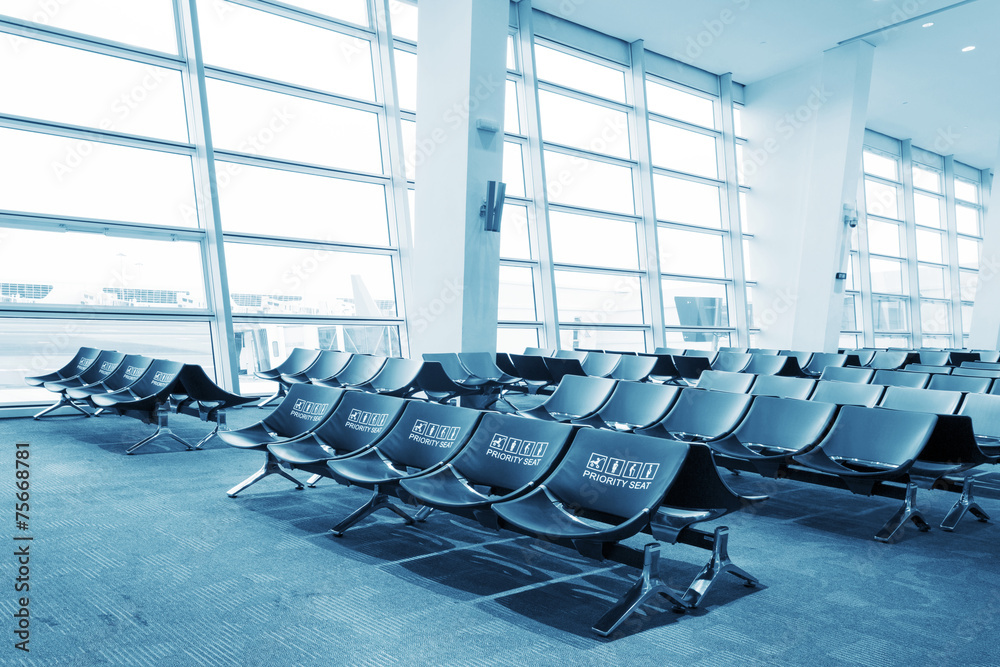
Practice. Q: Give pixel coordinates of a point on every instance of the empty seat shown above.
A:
(301, 411)
(80, 362)
(601, 364)
(97, 370)
(669, 351)
(451, 362)
(975, 372)
(960, 383)
(935, 357)
(733, 362)
(774, 364)
(739, 350)
(633, 405)
(821, 360)
(699, 415)
(560, 367)
(892, 359)
(984, 365)
(984, 409)
(924, 368)
(847, 393)
(504, 363)
(901, 379)
(634, 368)
(298, 361)
(434, 382)
(921, 400)
(575, 398)
(326, 366)
(860, 357)
(426, 436)
(147, 400)
(397, 377)
(201, 397)
(708, 354)
(690, 368)
(782, 387)
(722, 381)
(987, 355)
(579, 355)
(360, 369)
(664, 369)
(537, 352)
(800, 356)
(532, 370)
(855, 375)
(763, 350)
(482, 366)
(127, 373)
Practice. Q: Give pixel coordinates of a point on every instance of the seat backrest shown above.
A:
(960, 383)
(708, 414)
(889, 437)
(708, 354)
(531, 367)
(106, 364)
(359, 420)
(763, 350)
(860, 357)
(360, 369)
(158, 378)
(921, 400)
(579, 396)
(81, 361)
(773, 364)
(397, 375)
(984, 409)
(986, 355)
(579, 355)
(691, 367)
(508, 452)
(638, 404)
(617, 474)
(785, 423)
(664, 367)
(822, 360)
(892, 359)
(303, 409)
(481, 365)
(427, 434)
(782, 387)
(634, 368)
(802, 357)
(328, 364)
(537, 352)
(504, 363)
(723, 381)
(733, 362)
(740, 350)
(601, 364)
(839, 374)
(298, 361)
(983, 365)
(901, 378)
(975, 372)
(128, 372)
(847, 393)
(560, 367)
(958, 357)
(451, 363)
(671, 351)
(198, 386)
(935, 357)
(924, 368)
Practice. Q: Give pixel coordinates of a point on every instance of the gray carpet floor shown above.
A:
(143, 560)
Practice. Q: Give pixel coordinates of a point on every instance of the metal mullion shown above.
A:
(305, 16)
(731, 212)
(684, 125)
(518, 262)
(284, 318)
(251, 160)
(696, 279)
(581, 96)
(864, 283)
(55, 311)
(573, 151)
(694, 178)
(910, 238)
(83, 133)
(517, 199)
(951, 226)
(93, 43)
(595, 213)
(882, 179)
(291, 89)
(307, 244)
(683, 226)
(600, 270)
(60, 223)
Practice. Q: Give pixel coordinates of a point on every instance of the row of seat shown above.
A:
(585, 489)
(801, 387)
(144, 388)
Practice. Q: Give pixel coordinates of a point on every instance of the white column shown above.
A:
(454, 263)
(803, 163)
(985, 332)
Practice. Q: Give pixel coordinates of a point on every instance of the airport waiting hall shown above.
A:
(529, 332)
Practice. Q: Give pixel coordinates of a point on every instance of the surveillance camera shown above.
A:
(852, 222)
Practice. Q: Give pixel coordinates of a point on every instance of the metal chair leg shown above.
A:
(220, 425)
(270, 467)
(278, 394)
(311, 482)
(718, 565)
(908, 512)
(378, 501)
(162, 429)
(966, 503)
(648, 585)
(63, 402)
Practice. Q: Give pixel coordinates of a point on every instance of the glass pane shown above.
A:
(689, 202)
(930, 246)
(592, 241)
(926, 178)
(94, 270)
(738, 121)
(881, 199)
(614, 340)
(511, 54)
(587, 183)
(891, 313)
(515, 340)
(597, 298)
(579, 74)
(514, 238)
(747, 272)
(744, 218)
(149, 24)
(850, 341)
(881, 165)
(352, 11)
(579, 124)
(260, 122)
(681, 105)
(89, 89)
(967, 219)
(936, 342)
(695, 304)
(517, 294)
(850, 321)
(406, 79)
(966, 190)
(887, 275)
(683, 150)
(966, 318)
(42, 173)
(853, 277)
(933, 281)
(927, 210)
(246, 40)
(309, 281)
(935, 317)
(513, 169)
(35, 346)
(408, 129)
(901, 342)
(968, 283)
(968, 253)
(691, 253)
(273, 202)
(883, 238)
(511, 117)
(403, 20)
(741, 167)
(698, 340)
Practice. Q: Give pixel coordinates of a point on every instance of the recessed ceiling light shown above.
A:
(968, 48)
(927, 25)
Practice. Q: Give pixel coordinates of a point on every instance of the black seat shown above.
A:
(504, 363)
(984, 409)
(560, 367)
(301, 411)
(664, 369)
(852, 374)
(634, 368)
(958, 357)
(774, 364)
(81, 361)
(482, 365)
(611, 486)
(901, 379)
(298, 361)
(426, 436)
(724, 381)
(633, 405)
(532, 370)
(203, 398)
(437, 384)
(847, 393)
(360, 369)
(699, 415)
(962, 383)
(773, 430)
(107, 361)
(921, 400)
(866, 447)
(128, 372)
(326, 366)
(733, 362)
(803, 358)
(147, 400)
(456, 371)
(397, 377)
(575, 398)
(782, 387)
(690, 368)
(821, 360)
(860, 357)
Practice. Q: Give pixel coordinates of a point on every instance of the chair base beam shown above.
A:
(270, 467)
(162, 430)
(377, 502)
(63, 402)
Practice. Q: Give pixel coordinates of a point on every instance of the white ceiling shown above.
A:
(924, 87)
